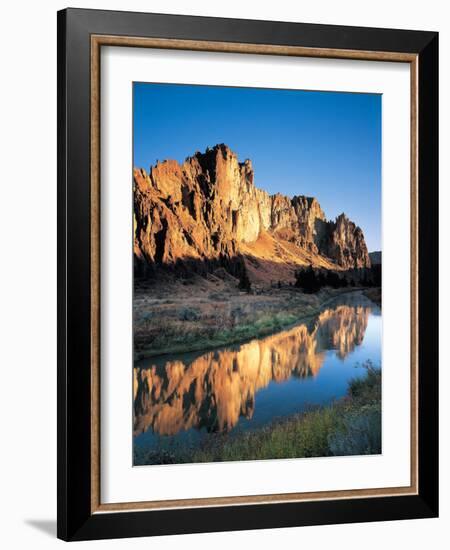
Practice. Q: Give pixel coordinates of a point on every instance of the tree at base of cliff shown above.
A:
(307, 280)
(367, 278)
(244, 282)
(376, 274)
(335, 281)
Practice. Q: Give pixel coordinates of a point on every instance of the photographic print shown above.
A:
(228, 192)
(257, 253)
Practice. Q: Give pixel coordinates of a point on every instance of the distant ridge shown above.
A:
(375, 257)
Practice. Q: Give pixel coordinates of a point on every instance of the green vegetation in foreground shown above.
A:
(350, 426)
(179, 329)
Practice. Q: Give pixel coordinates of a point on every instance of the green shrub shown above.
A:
(360, 434)
(189, 314)
(368, 388)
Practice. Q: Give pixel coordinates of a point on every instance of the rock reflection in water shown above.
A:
(214, 389)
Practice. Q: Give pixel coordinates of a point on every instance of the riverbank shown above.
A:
(374, 294)
(349, 426)
(202, 314)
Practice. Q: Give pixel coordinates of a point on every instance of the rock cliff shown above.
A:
(207, 211)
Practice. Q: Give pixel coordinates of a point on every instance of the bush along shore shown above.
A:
(348, 426)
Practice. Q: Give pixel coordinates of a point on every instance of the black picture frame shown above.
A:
(75, 518)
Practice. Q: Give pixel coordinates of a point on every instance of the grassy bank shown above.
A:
(350, 426)
(201, 317)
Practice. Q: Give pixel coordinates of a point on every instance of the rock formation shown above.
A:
(208, 211)
(345, 244)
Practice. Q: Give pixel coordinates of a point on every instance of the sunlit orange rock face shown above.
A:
(208, 208)
(342, 328)
(215, 389)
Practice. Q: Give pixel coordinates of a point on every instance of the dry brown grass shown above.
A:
(199, 313)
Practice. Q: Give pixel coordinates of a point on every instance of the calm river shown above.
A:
(184, 398)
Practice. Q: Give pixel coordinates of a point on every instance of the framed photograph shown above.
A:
(247, 252)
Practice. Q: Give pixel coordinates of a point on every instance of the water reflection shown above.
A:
(213, 390)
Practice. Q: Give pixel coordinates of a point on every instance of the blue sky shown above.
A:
(321, 144)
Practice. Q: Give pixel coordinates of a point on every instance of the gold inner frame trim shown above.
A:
(97, 41)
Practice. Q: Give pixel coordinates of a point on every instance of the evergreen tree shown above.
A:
(307, 280)
(321, 278)
(376, 274)
(365, 278)
(333, 279)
